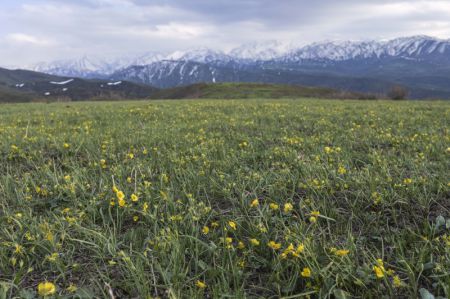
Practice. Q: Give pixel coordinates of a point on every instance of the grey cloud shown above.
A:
(112, 27)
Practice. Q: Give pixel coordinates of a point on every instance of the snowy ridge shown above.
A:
(408, 48)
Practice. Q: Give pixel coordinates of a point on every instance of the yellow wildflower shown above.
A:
(379, 272)
(341, 252)
(232, 224)
(274, 206)
(254, 203)
(145, 207)
(200, 284)
(134, 197)
(300, 249)
(254, 242)
(18, 249)
(274, 245)
(288, 207)
(306, 272)
(120, 195)
(397, 281)
(72, 288)
(205, 230)
(122, 203)
(46, 289)
(241, 245)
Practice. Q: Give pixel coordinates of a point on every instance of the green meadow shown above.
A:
(225, 199)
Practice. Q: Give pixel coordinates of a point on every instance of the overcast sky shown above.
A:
(43, 30)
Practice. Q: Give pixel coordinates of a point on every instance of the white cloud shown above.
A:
(22, 38)
(55, 29)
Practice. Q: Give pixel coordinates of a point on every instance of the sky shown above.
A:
(32, 31)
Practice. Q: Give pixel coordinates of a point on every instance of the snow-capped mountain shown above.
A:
(408, 47)
(84, 67)
(419, 62)
(262, 51)
(202, 55)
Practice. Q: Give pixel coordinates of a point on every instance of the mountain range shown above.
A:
(419, 63)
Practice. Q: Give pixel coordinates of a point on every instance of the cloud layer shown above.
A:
(39, 30)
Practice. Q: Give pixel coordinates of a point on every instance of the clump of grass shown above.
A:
(225, 198)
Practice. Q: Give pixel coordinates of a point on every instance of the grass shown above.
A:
(194, 199)
(253, 91)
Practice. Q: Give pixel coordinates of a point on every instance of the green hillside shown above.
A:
(27, 86)
(251, 91)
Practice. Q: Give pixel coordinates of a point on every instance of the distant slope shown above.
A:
(26, 86)
(9, 95)
(251, 90)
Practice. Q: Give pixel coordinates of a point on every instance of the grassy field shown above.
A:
(232, 199)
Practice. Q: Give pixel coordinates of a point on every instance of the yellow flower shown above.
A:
(313, 219)
(129, 180)
(328, 149)
(52, 257)
(379, 271)
(72, 288)
(397, 281)
(49, 236)
(122, 203)
(254, 242)
(274, 245)
(315, 213)
(232, 224)
(341, 252)
(135, 218)
(254, 203)
(66, 145)
(46, 289)
(145, 207)
(342, 170)
(306, 272)
(274, 206)
(205, 230)
(18, 249)
(134, 197)
(288, 207)
(130, 156)
(287, 251)
(200, 284)
(214, 224)
(407, 181)
(300, 249)
(241, 264)
(120, 195)
(115, 190)
(241, 245)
